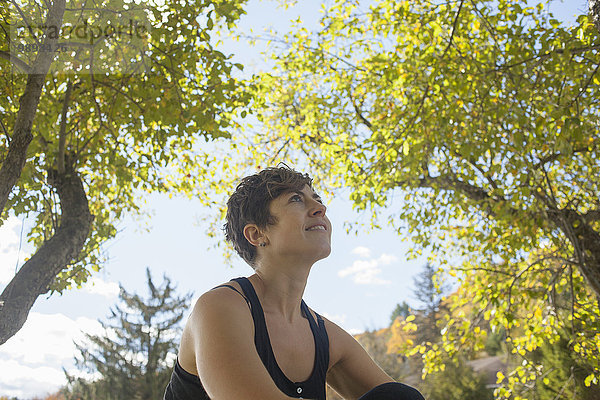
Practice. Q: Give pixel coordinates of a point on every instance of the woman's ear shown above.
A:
(254, 235)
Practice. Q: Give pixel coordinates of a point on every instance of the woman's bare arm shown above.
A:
(228, 365)
(353, 372)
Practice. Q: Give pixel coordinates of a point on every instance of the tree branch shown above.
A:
(359, 113)
(35, 276)
(453, 29)
(583, 237)
(541, 57)
(62, 137)
(5, 132)
(584, 87)
(594, 12)
(585, 241)
(591, 216)
(16, 61)
(29, 28)
(555, 156)
(21, 137)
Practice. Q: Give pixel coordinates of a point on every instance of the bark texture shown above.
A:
(594, 12)
(39, 271)
(28, 103)
(585, 241)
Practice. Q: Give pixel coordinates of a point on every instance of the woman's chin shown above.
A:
(323, 253)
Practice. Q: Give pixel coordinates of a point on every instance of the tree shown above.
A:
(430, 293)
(477, 121)
(402, 310)
(93, 116)
(52, 396)
(594, 6)
(564, 375)
(375, 343)
(458, 381)
(134, 357)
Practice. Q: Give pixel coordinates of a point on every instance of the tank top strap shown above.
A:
(233, 288)
(261, 335)
(321, 341)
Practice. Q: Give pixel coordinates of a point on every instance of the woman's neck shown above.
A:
(281, 289)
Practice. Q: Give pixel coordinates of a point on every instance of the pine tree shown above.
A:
(133, 358)
(429, 293)
(401, 310)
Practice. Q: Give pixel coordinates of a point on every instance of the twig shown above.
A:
(29, 28)
(453, 29)
(62, 140)
(16, 61)
(584, 88)
(5, 132)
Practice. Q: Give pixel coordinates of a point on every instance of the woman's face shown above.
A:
(302, 229)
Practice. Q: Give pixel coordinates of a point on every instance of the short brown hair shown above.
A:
(249, 204)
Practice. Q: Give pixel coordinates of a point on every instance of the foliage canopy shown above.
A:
(87, 132)
(475, 124)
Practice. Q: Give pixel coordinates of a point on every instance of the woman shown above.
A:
(255, 338)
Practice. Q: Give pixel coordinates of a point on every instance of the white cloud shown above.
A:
(387, 259)
(362, 251)
(365, 272)
(336, 318)
(95, 285)
(18, 380)
(31, 361)
(340, 320)
(355, 331)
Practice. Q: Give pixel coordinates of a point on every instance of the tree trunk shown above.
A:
(594, 12)
(585, 241)
(28, 103)
(61, 249)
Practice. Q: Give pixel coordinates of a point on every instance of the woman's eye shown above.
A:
(296, 197)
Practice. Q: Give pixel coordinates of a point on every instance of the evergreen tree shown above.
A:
(401, 310)
(429, 293)
(132, 358)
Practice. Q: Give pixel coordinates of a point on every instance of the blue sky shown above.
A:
(357, 286)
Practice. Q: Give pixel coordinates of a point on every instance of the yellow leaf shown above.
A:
(500, 377)
(590, 378)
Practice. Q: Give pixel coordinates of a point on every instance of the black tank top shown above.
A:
(186, 386)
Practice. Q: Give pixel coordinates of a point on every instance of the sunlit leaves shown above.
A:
(132, 130)
(472, 121)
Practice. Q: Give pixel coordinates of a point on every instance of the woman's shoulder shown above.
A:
(218, 309)
(228, 296)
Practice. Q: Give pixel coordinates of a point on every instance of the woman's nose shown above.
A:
(319, 209)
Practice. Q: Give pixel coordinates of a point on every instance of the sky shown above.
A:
(357, 286)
